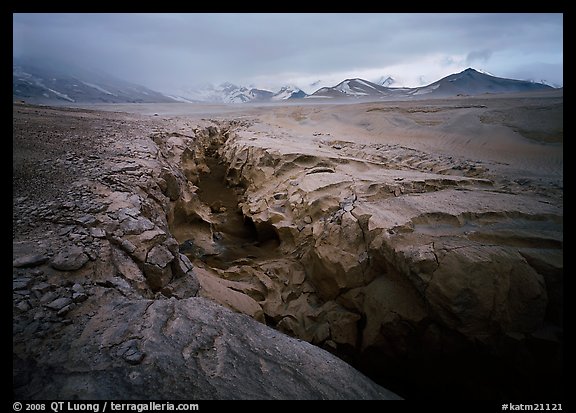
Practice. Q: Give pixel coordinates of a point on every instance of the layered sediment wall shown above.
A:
(403, 269)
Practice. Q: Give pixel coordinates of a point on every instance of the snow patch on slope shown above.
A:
(99, 88)
(61, 95)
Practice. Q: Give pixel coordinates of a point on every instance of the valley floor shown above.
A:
(421, 242)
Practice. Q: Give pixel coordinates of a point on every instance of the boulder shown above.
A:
(69, 259)
(32, 260)
(189, 349)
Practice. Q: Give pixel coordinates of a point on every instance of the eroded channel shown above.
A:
(226, 237)
(378, 321)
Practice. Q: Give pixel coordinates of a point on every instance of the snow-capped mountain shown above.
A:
(258, 95)
(468, 82)
(473, 82)
(230, 93)
(484, 71)
(289, 92)
(42, 82)
(350, 87)
(358, 88)
(224, 93)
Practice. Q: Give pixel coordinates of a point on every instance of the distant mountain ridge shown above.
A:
(230, 93)
(358, 88)
(47, 82)
(468, 82)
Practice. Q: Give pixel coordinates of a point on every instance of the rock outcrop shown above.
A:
(189, 349)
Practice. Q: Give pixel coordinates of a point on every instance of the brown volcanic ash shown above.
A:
(413, 239)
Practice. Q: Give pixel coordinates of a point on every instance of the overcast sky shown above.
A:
(168, 51)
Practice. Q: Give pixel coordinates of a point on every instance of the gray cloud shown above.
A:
(167, 50)
(478, 56)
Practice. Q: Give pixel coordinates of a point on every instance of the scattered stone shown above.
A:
(59, 303)
(183, 265)
(136, 226)
(167, 291)
(308, 219)
(79, 297)
(92, 255)
(64, 310)
(32, 260)
(87, 220)
(74, 237)
(78, 288)
(21, 283)
(125, 167)
(127, 246)
(39, 315)
(160, 256)
(48, 297)
(23, 306)
(65, 230)
(126, 266)
(172, 188)
(157, 277)
(40, 289)
(23, 293)
(70, 259)
(337, 147)
(98, 232)
(124, 213)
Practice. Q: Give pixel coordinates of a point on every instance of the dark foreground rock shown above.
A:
(188, 349)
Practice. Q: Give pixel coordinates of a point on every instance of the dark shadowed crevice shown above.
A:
(234, 236)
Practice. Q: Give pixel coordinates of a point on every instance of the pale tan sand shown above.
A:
(510, 132)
